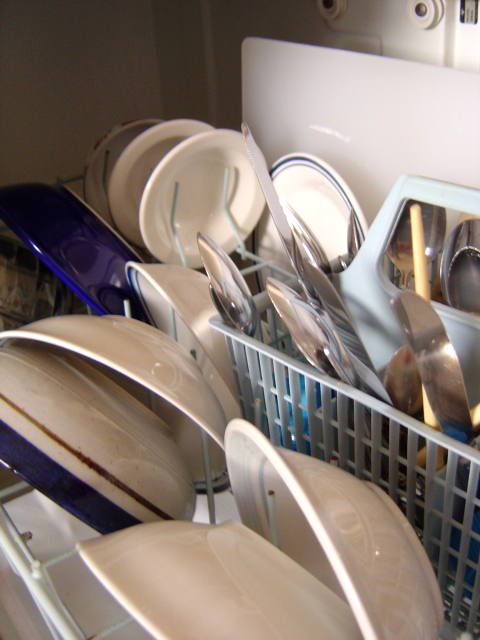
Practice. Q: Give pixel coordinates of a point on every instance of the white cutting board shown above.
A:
(370, 117)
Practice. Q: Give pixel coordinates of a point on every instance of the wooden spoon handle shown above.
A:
(422, 287)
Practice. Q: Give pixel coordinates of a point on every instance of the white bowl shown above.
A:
(140, 352)
(84, 442)
(101, 159)
(206, 582)
(205, 201)
(135, 165)
(374, 553)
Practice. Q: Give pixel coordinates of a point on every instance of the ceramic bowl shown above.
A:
(361, 544)
(223, 581)
(80, 439)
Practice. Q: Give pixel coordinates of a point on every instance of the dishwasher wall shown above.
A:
(71, 70)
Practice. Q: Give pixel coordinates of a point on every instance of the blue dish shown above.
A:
(75, 243)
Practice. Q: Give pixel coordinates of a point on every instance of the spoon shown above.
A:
(437, 363)
(460, 267)
(308, 326)
(402, 381)
(355, 236)
(231, 293)
(306, 237)
(399, 249)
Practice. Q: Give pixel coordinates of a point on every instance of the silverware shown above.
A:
(437, 363)
(399, 249)
(311, 331)
(230, 292)
(460, 267)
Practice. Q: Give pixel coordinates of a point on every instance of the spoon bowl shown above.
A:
(400, 249)
(402, 381)
(313, 334)
(231, 293)
(460, 267)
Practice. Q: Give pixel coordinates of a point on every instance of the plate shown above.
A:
(102, 158)
(134, 167)
(161, 288)
(77, 437)
(223, 581)
(73, 242)
(141, 353)
(321, 198)
(374, 553)
(177, 301)
(210, 169)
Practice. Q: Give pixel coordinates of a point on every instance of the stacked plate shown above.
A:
(171, 180)
(320, 197)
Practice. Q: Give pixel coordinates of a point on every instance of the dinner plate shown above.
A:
(74, 242)
(141, 353)
(206, 183)
(161, 288)
(80, 439)
(320, 197)
(374, 553)
(102, 158)
(224, 581)
(135, 165)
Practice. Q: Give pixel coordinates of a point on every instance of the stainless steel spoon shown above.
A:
(230, 290)
(400, 250)
(460, 267)
(402, 381)
(310, 329)
(437, 362)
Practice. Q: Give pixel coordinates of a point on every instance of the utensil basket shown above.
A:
(299, 408)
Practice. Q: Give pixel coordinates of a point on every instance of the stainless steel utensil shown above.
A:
(313, 334)
(437, 363)
(402, 381)
(230, 290)
(354, 236)
(399, 249)
(460, 267)
(341, 319)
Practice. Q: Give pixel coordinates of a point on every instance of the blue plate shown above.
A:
(74, 242)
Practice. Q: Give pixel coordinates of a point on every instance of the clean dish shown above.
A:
(141, 353)
(209, 183)
(374, 553)
(134, 167)
(161, 288)
(320, 197)
(177, 301)
(102, 158)
(80, 439)
(74, 242)
(223, 581)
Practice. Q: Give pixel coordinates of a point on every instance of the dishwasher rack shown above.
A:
(298, 408)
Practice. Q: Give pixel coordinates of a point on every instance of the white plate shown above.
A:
(161, 287)
(198, 166)
(321, 198)
(134, 167)
(102, 158)
(374, 553)
(177, 301)
(88, 445)
(224, 581)
(140, 352)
